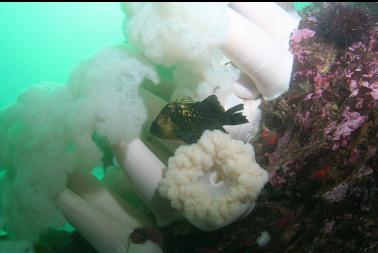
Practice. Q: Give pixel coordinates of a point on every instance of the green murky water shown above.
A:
(43, 41)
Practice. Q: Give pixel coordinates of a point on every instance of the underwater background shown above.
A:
(45, 41)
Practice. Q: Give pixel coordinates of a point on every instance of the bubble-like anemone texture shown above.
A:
(47, 134)
(213, 182)
(108, 85)
(169, 33)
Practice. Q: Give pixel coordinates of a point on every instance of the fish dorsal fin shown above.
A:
(183, 100)
(211, 105)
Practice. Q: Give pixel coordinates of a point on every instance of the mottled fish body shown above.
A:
(186, 120)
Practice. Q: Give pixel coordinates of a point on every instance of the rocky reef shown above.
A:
(319, 143)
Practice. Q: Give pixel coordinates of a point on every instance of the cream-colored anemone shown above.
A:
(213, 182)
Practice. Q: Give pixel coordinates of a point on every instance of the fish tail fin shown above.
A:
(233, 117)
(235, 108)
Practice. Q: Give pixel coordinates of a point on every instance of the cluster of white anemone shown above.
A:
(48, 150)
(213, 182)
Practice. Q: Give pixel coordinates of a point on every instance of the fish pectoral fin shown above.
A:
(223, 130)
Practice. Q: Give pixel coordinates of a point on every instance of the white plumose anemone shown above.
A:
(213, 182)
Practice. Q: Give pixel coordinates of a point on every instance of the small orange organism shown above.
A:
(269, 137)
(322, 173)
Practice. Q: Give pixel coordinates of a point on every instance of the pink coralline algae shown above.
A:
(275, 179)
(364, 172)
(374, 90)
(361, 73)
(342, 131)
(337, 194)
(321, 83)
(352, 121)
(302, 34)
(353, 87)
(298, 36)
(303, 119)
